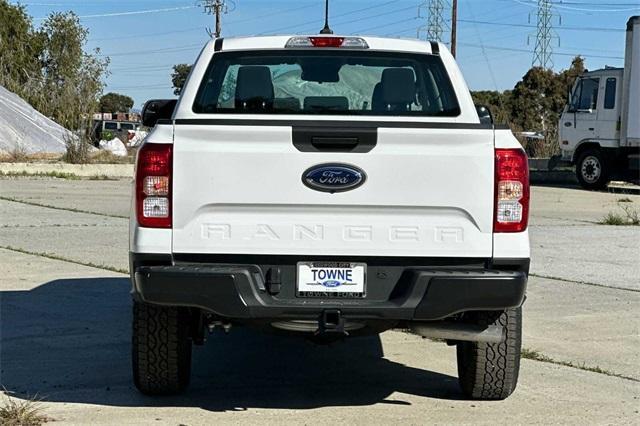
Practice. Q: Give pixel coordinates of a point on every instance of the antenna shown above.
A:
(326, 29)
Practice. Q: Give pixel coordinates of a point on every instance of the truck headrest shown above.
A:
(398, 86)
(254, 87)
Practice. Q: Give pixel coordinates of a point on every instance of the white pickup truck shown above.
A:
(329, 186)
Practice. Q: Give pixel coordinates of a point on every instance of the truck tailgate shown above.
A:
(238, 190)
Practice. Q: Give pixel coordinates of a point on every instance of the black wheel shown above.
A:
(592, 169)
(161, 349)
(489, 371)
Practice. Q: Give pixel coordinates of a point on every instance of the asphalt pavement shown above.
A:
(64, 329)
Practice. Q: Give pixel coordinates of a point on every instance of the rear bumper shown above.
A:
(396, 292)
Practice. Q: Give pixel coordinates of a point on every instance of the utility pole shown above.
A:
(436, 22)
(543, 52)
(217, 8)
(454, 26)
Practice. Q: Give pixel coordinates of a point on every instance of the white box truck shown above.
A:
(599, 130)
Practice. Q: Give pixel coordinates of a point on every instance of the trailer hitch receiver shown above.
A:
(331, 322)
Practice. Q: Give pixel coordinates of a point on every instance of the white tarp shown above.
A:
(25, 129)
(137, 138)
(115, 146)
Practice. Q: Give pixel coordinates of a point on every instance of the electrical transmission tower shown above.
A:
(436, 22)
(217, 8)
(543, 52)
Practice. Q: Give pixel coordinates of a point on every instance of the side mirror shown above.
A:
(157, 109)
(485, 114)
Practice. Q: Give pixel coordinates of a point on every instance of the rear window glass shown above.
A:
(127, 126)
(326, 82)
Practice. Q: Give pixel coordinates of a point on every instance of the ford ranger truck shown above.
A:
(330, 187)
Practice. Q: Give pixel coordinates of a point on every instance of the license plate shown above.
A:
(331, 279)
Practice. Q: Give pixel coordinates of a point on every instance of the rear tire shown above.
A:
(592, 169)
(161, 349)
(489, 371)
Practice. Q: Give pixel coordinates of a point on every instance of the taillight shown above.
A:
(153, 185)
(324, 41)
(511, 191)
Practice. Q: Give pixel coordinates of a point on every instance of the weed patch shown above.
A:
(538, 356)
(15, 412)
(628, 217)
(56, 175)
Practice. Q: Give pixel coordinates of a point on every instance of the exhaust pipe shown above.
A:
(459, 331)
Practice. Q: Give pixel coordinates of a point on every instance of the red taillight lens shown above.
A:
(511, 191)
(326, 41)
(153, 185)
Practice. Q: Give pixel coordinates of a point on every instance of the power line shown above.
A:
(164, 50)
(368, 17)
(192, 29)
(565, 5)
(360, 31)
(130, 13)
(482, 49)
(563, 28)
(513, 49)
(187, 30)
(315, 21)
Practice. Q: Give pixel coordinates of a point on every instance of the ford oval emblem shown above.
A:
(333, 177)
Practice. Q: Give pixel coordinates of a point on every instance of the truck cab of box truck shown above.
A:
(599, 130)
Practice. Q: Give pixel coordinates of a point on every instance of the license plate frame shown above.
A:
(306, 286)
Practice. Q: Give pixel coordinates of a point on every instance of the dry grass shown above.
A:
(78, 150)
(53, 174)
(30, 158)
(628, 217)
(18, 154)
(107, 157)
(16, 412)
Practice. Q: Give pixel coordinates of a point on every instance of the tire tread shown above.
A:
(161, 349)
(489, 371)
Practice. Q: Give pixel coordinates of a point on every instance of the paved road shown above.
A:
(65, 329)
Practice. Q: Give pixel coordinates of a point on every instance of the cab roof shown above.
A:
(280, 42)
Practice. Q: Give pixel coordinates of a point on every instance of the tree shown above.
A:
(49, 67)
(179, 77)
(72, 79)
(568, 77)
(497, 102)
(20, 49)
(115, 102)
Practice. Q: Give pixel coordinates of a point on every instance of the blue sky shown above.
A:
(144, 38)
